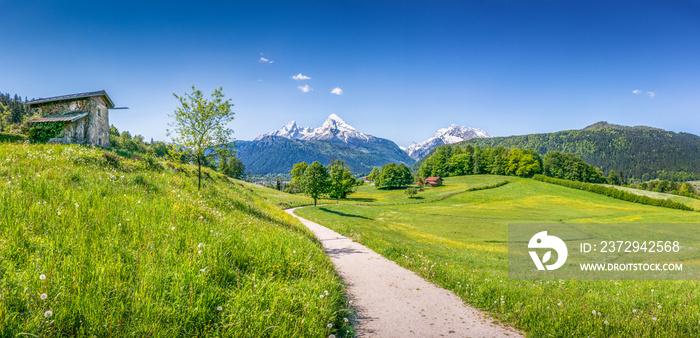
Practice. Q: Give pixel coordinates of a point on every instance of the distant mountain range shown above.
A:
(450, 135)
(635, 151)
(278, 151)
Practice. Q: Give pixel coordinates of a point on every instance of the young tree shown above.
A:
(342, 182)
(223, 165)
(200, 125)
(411, 192)
(315, 181)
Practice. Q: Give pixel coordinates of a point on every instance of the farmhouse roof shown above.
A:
(101, 93)
(69, 118)
(433, 178)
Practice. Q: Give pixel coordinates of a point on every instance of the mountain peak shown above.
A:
(452, 134)
(334, 128)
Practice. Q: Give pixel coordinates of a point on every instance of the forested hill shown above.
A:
(635, 151)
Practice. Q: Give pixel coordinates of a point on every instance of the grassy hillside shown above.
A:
(460, 243)
(633, 150)
(91, 244)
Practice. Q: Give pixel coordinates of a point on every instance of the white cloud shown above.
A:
(337, 91)
(305, 88)
(300, 77)
(636, 91)
(651, 94)
(265, 60)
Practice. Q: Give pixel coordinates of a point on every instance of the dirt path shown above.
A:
(392, 301)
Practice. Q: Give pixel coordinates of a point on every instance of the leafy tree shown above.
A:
(411, 192)
(235, 168)
(393, 176)
(200, 125)
(297, 173)
(315, 181)
(342, 182)
(613, 178)
(373, 174)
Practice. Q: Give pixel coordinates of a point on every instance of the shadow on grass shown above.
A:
(343, 214)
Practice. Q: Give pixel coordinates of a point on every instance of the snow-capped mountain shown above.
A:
(333, 129)
(277, 151)
(290, 130)
(450, 135)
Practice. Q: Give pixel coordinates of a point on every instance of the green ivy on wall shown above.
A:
(43, 132)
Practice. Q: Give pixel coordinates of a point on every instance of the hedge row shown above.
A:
(12, 137)
(614, 193)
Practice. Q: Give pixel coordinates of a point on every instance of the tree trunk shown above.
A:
(199, 181)
(314, 202)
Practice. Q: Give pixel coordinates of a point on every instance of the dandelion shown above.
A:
(59, 213)
(593, 312)
(659, 306)
(199, 252)
(345, 320)
(329, 325)
(331, 336)
(320, 296)
(606, 322)
(599, 314)
(76, 205)
(200, 245)
(326, 292)
(201, 217)
(653, 318)
(652, 290)
(43, 296)
(173, 228)
(139, 202)
(48, 314)
(42, 276)
(219, 308)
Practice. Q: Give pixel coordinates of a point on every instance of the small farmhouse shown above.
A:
(85, 117)
(433, 181)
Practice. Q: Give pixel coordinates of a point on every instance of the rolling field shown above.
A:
(369, 194)
(93, 245)
(460, 244)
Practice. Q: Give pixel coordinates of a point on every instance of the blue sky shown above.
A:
(406, 68)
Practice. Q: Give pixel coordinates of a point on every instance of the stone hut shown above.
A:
(85, 117)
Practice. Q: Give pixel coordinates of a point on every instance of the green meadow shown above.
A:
(96, 245)
(460, 243)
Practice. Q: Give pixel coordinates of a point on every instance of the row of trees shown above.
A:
(456, 161)
(12, 111)
(335, 181)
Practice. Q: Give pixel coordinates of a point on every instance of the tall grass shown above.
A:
(93, 244)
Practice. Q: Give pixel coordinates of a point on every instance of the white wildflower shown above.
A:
(42, 276)
(173, 228)
(606, 322)
(48, 314)
(219, 308)
(43, 296)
